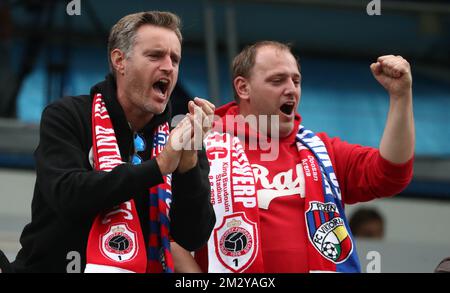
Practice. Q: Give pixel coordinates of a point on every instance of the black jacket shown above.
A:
(68, 194)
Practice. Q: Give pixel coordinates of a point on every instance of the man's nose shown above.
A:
(166, 64)
(291, 88)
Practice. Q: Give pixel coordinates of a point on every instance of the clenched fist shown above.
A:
(394, 74)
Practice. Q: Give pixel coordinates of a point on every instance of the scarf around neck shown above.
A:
(116, 243)
(235, 245)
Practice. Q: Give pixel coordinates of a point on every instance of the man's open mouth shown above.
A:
(287, 108)
(161, 86)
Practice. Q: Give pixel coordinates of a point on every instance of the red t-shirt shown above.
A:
(281, 193)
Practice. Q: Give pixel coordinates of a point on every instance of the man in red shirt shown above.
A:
(288, 215)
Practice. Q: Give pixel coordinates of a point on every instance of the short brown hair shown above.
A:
(243, 63)
(123, 33)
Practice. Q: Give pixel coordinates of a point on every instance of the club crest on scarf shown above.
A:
(119, 243)
(327, 232)
(235, 242)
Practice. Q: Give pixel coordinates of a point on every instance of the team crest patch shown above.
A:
(327, 232)
(236, 242)
(119, 243)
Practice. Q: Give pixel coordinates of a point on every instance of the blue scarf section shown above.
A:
(332, 197)
(160, 197)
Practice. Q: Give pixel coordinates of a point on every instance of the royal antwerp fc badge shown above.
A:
(236, 242)
(119, 243)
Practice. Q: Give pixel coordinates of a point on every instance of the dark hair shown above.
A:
(243, 63)
(123, 33)
(362, 216)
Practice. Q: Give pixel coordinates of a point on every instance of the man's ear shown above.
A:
(242, 87)
(118, 61)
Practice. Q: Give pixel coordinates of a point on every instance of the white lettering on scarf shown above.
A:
(107, 143)
(317, 145)
(243, 181)
(100, 110)
(283, 184)
(124, 208)
(310, 169)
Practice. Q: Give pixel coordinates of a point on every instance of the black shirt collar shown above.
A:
(124, 134)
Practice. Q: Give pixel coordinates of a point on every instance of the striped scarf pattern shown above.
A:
(159, 256)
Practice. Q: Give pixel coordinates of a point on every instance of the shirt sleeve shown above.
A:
(363, 174)
(69, 185)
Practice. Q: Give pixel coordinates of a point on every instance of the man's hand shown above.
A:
(201, 113)
(183, 260)
(169, 159)
(394, 74)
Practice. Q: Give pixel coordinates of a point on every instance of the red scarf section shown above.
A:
(116, 243)
(234, 245)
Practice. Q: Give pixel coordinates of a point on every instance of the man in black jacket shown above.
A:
(144, 53)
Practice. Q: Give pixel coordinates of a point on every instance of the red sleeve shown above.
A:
(363, 174)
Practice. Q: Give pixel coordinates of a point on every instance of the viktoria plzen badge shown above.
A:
(327, 232)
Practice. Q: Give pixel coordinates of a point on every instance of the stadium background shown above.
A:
(45, 53)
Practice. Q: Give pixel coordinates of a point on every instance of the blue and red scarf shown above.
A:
(331, 247)
(116, 243)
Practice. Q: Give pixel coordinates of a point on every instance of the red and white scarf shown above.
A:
(235, 245)
(116, 243)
